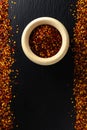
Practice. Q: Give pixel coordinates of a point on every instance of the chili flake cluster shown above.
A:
(45, 41)
(80, 62)
(6, 62)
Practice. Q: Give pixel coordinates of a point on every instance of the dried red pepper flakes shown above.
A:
(45, 41)
(80, 65)
(6, 61)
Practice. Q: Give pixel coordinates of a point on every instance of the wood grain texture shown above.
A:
(43, 94)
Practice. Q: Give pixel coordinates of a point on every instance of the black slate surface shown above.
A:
(43, 92)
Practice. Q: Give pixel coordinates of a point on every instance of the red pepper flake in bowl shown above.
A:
(45, 41)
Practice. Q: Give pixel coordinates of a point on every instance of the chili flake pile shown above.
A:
(80, 61)
(6, 62)
(45, 41)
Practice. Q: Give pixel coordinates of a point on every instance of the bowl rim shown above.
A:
(25, 40)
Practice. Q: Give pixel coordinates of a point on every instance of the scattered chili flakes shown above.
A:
(45, 41)
(13, 2)
(6, 62)
(80, 62)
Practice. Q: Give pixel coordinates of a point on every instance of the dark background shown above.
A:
(43, 93)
